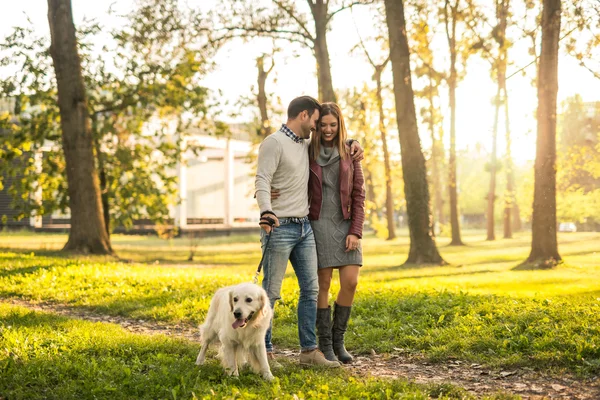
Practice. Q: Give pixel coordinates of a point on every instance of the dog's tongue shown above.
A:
(238, 323)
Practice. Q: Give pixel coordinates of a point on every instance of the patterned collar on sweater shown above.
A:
(289, 133)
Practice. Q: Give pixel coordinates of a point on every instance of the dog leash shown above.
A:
(271, 223)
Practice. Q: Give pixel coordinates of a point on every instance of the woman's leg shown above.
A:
(348, 283)
(325, 275)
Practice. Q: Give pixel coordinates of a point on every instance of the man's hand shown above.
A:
(352, 242)
(356, 151)
(268, 222)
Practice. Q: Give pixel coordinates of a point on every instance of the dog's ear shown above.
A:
(231, 300)
(265, 304)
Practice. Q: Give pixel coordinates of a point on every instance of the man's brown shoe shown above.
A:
(273, 363)
(315, 357)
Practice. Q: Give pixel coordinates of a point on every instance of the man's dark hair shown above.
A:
(303, 103)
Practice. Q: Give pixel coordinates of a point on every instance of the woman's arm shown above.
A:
(358, 201)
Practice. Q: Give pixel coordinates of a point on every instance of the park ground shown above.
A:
(126, 327)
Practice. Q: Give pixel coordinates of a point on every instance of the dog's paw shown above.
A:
(199, 360)
(268, 376)
(235, 373)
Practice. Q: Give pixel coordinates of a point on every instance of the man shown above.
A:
(283, 166)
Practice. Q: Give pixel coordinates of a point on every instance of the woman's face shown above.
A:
(329, 129)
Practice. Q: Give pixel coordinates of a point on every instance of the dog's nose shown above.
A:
(237, 314)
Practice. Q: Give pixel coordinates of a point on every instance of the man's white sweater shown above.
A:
(283, 165)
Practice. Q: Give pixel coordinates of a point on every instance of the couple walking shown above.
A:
(310, 192)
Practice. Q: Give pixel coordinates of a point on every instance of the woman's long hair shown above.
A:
(340, 139)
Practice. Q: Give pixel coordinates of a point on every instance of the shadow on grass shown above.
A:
(58, 254)
(125, 257)
(37, 252)
(538, 265)
(200, 261)
(450, 274)
(590, 252)
(590, 293)
(408, 267)
(23, 270)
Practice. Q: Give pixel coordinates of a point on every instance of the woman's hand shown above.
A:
(352, 243)
(356, 151)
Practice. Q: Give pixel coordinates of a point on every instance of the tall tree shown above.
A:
(544, 244)
(511, 211)
(454, 14)
(286, 19)
(88, 231)
(495, 50)
(431, 78)
(378, 68)
(423, 249)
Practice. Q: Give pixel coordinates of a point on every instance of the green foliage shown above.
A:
(142, 87)
(578, 161)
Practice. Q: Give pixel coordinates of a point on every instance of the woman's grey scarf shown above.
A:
(328, 155)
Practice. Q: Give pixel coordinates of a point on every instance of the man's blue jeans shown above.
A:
(293, 240)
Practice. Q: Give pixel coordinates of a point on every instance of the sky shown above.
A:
(235, 74)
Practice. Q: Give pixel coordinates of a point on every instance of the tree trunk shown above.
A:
(423, 249)
(491, 197)
(368, 175)
(389, 199)
(544, 245)
(88, 232)
(102, 173)
(509, 197)
(436, 156)
(320, 15)
(516, 218)
(502, 10)
(261, 98)
(452, 185)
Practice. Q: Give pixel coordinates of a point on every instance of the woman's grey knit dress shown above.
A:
(331, 228)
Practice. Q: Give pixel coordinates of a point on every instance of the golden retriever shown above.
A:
(239, 317)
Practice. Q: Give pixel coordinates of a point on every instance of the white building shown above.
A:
(217, 186)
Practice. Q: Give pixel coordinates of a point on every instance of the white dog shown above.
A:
(239, 317)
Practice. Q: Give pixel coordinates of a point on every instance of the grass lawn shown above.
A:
(50, 357)
(478, 309)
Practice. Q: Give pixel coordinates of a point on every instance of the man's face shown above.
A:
(309, 124)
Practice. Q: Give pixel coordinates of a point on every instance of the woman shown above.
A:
(337, 197)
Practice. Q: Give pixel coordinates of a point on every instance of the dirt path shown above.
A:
(473, 377)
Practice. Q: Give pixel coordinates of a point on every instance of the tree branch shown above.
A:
(584, 65)
(354, 3)
(387, 60)
(297, 37)
(295, 18)
(446, 22)
(271, 67)
(362, 44)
